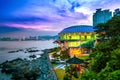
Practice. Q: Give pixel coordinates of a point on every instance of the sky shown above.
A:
(47, 17)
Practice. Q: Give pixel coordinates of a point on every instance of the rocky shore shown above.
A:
(37, 69)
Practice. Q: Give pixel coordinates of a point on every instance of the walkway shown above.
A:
(60, 66)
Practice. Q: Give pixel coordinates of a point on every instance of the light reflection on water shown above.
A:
(6, 46)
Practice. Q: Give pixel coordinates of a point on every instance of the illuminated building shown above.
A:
(78, 39)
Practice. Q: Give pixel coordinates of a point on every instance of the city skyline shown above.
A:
(47, 17)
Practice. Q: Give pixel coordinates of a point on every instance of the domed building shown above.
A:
(78, 39)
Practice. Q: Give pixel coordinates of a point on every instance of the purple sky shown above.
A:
(47, 17)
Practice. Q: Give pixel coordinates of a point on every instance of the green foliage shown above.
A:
(111, 28)
(55, 55)
(71, 71)
(100, 28)
(88, 76)
(104, 73)
(64, 54)
(105, 57)
(101, 55)
(115, 75)
(67, 77)
(115, 58)
(83, 57)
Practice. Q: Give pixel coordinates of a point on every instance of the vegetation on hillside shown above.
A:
(105, 57)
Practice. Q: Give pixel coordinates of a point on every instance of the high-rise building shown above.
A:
(117, 12)
(101, 16)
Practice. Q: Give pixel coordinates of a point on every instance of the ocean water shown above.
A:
(6, 46)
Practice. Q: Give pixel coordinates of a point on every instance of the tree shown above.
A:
(55, 55)
(71, 71)
(65, 54)
(113, 27)
(105, 57)
(110, 29)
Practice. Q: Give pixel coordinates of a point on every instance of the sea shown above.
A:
(7, 49)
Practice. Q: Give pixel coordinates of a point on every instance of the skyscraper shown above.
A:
(101, 16)
(117, 12)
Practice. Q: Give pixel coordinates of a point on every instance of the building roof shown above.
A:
(77, 28)
(74, 60)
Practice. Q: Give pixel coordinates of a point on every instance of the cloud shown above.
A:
(6, 29)
(51, 11)
(51, 15)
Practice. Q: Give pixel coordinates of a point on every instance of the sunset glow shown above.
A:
(49, 15)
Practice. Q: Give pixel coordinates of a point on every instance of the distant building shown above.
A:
(101, 16)
(78, 39)
(117, 12)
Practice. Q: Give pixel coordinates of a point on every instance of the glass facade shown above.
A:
(101, 16)
(78, 38)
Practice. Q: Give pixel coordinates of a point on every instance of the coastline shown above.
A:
(23, 49)
(43, 64)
